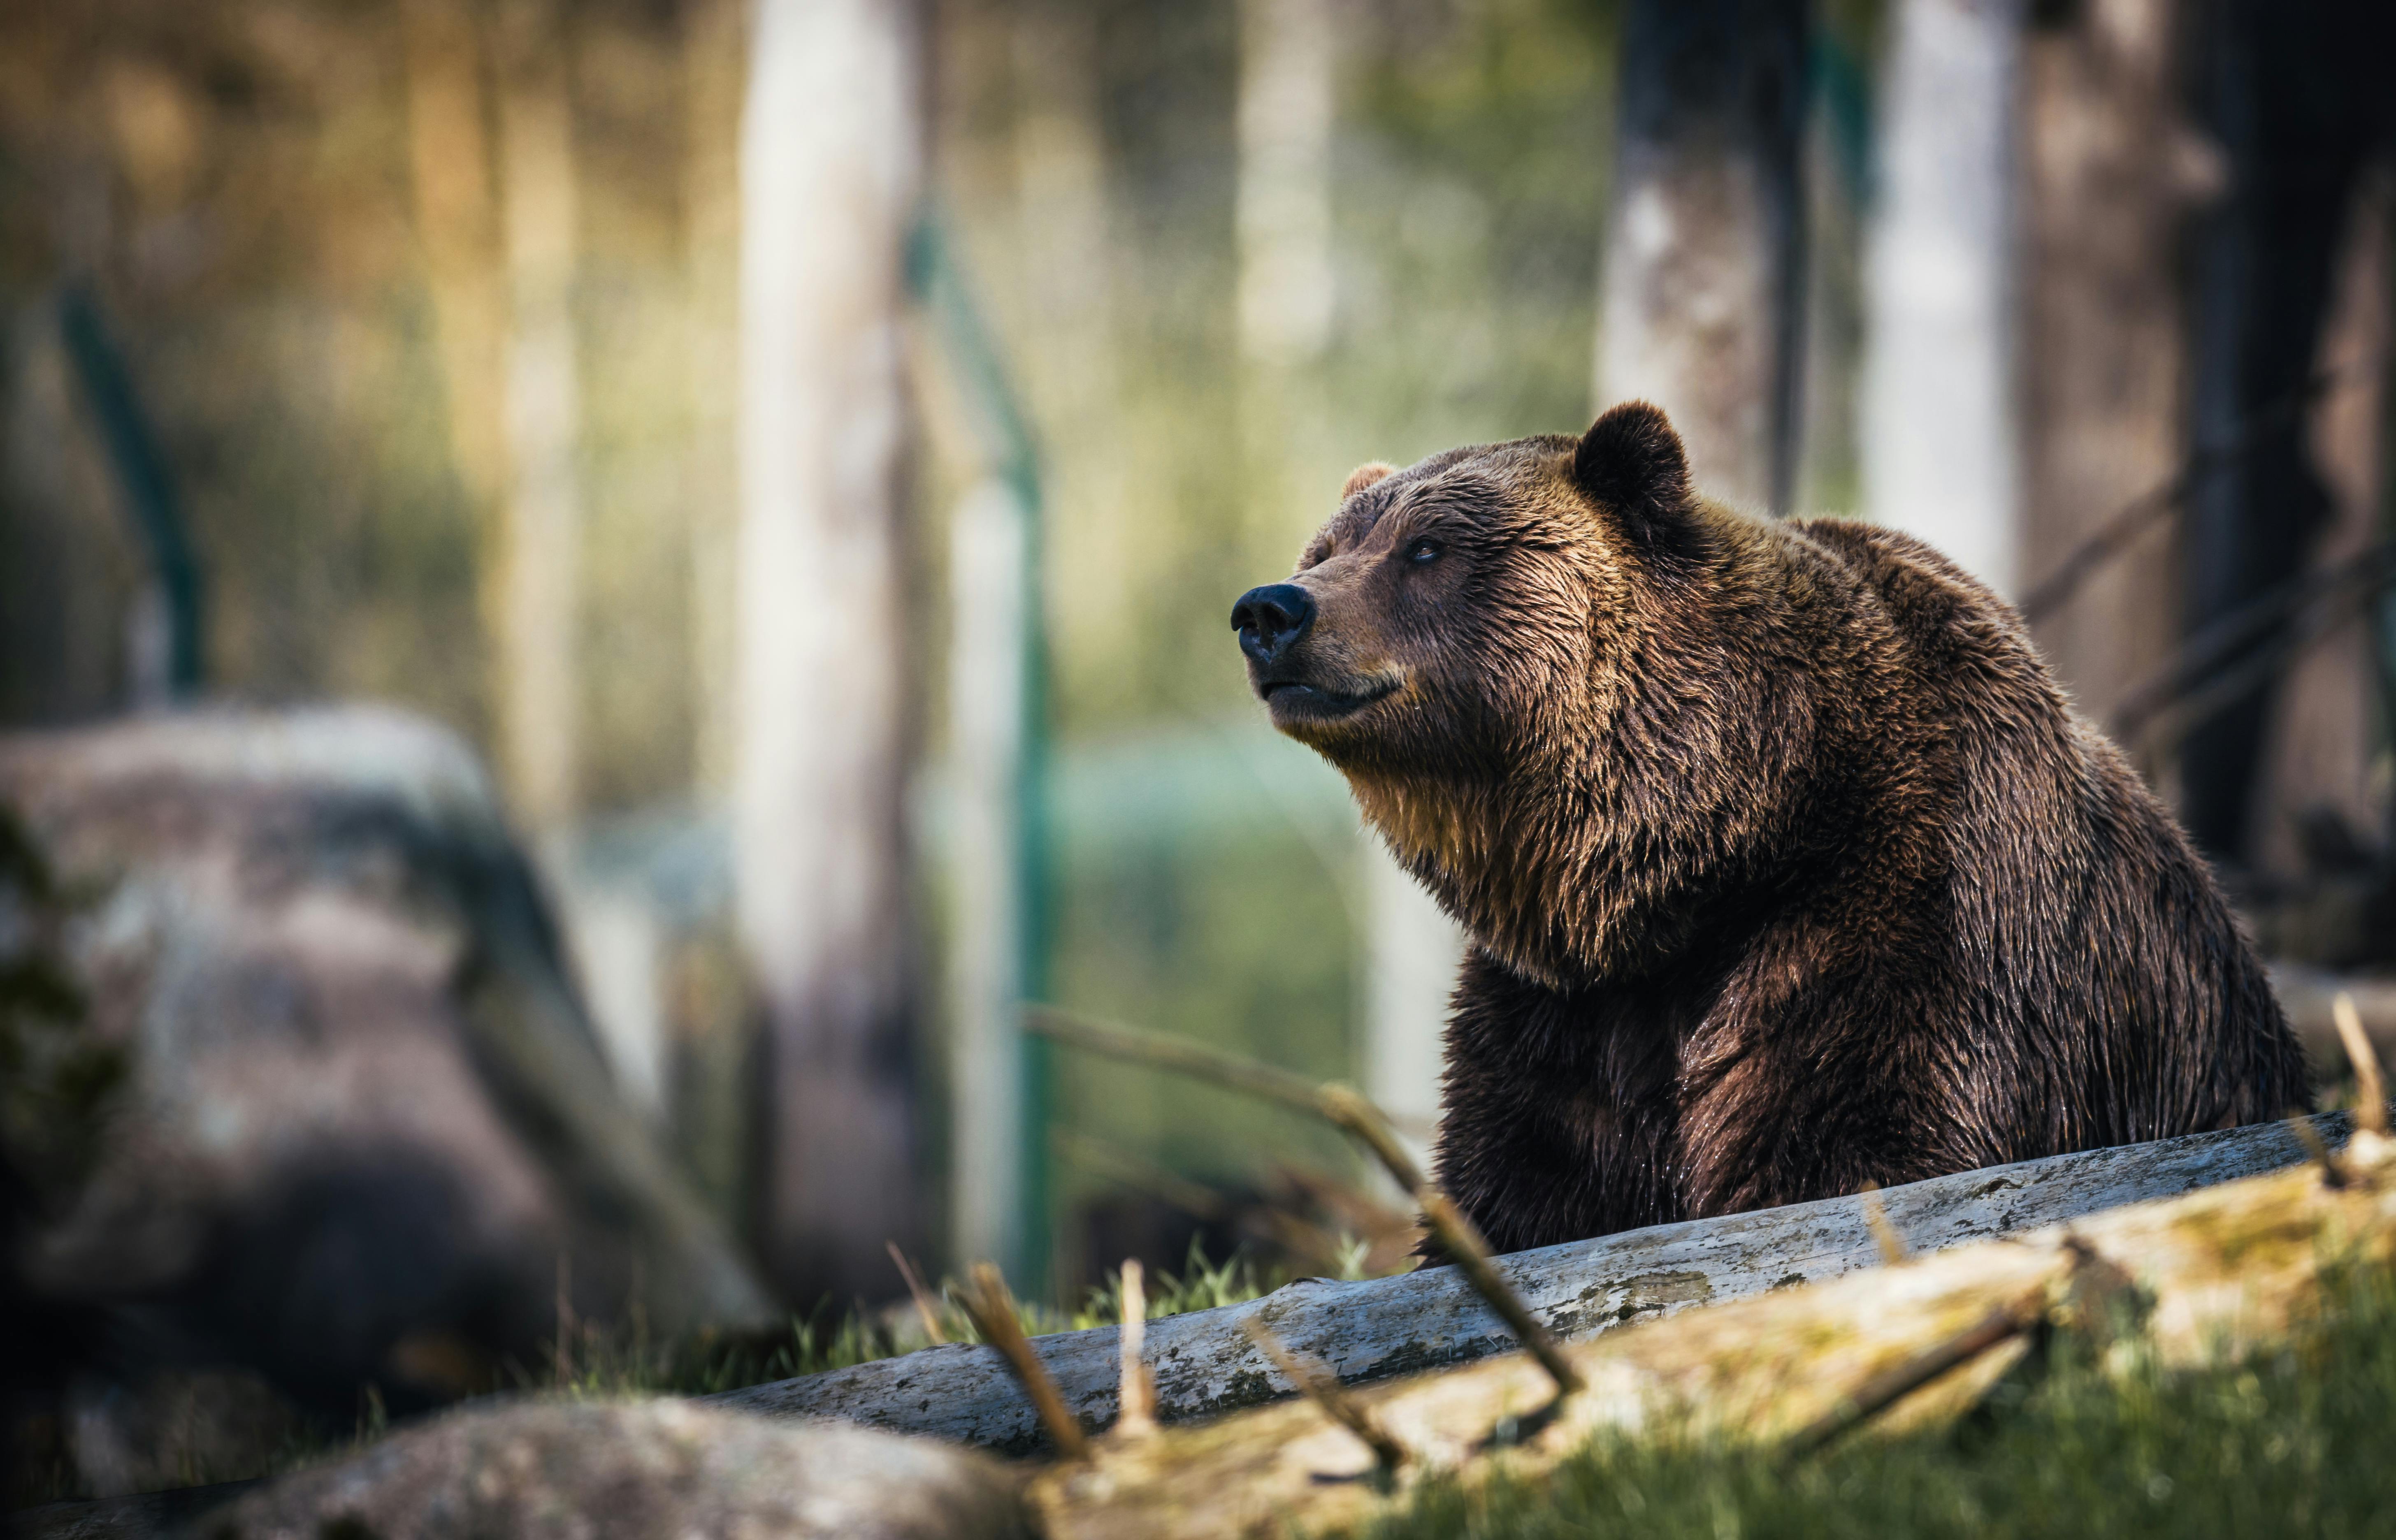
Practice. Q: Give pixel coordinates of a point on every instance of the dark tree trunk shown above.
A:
(2296, 96)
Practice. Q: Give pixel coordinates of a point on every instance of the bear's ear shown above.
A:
(1365, 476)
(1631, 461)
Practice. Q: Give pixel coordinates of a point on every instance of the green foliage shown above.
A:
(2291, 1443)
(606, 1362)
(1200, 1286)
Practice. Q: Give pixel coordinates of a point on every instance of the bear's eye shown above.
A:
(1424, 551)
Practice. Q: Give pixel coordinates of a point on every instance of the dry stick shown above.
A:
(2089, 1271)
(1125, 1169)
(2115, 532)
(986, 1299)
(2094, 553)
(2371, 1110)
(1471, 1255)
(1159, 1052)
(1137, 1416)
(925, 1309)
(1319, 1385)
(1893, 1384)
(2239, 651)
(2168, 726)
(2333, 1175)
(1884, 1234)
(1347, 1110)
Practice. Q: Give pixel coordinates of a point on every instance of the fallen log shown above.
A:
(2209, 1274)
(1205, 1362)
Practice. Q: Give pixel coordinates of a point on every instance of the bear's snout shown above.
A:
(1270, 619)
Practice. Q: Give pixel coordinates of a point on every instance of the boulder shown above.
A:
(361, 1132)
(651, 1470)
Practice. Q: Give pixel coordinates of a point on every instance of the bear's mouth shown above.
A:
(1291, 699)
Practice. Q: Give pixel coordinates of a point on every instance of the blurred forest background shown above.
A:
(449, 326)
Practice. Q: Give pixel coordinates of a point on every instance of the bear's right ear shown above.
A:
(1365, 476)
(1631, 461)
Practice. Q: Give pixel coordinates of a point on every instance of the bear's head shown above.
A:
(1515, 654)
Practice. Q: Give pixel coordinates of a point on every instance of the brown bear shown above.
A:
(1787, 866)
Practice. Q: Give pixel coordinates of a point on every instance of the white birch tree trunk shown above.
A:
(1288, 294)
(1939, 443)
(1700, 301)
(831, 164)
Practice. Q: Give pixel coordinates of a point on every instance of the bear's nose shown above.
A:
(1270, 618)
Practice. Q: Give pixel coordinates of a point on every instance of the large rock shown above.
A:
(365, 1132)
(654, 1471)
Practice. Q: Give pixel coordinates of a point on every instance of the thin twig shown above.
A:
(925, 1311)
(2371, 1110)
(1471, 1257)
(1351, 1110)
(1159, 1052)
(1892, 1385)
(2333, 1175)
(1368, 1125)
(2115, 532)
(1316, 1381)
(1121, 1166)
(1136, 1417)
(1883, 1233)
(2240, 651)
(986, 1299)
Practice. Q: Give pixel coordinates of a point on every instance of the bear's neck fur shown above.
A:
(1685, 796)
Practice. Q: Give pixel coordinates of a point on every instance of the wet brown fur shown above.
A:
(1787, 866)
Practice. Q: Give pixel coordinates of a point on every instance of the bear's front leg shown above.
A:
(1827, 1087)
(1557, 1114)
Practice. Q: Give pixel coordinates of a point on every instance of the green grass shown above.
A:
(2301, 1440)
(626, 1361)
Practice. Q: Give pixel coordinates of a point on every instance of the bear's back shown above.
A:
(2088, 936)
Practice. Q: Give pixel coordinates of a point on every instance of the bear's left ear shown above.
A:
(1631, 461)
(1365, 476)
